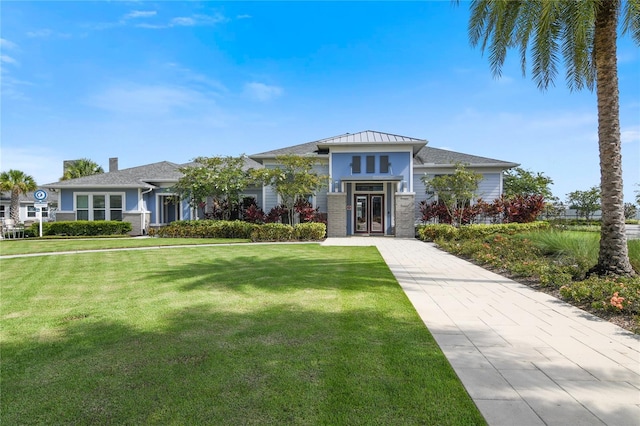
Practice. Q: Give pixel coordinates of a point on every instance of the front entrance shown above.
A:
(369, 214)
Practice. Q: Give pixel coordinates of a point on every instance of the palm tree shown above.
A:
(16, 182)
(79, 168)
(584, 34)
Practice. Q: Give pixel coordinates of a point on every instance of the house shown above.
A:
(27, 210)
(375, 185)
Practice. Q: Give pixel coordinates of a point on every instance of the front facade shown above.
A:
(374, 185)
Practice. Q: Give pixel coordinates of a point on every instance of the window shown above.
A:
(2, 211)
(33, 212)
(369, 187)
(355, 164)
(98, 206)
(371, 164)
(82, 207)
(115, 207)
(384, 164)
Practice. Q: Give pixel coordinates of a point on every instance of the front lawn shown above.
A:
(260, 334)
(33, 245)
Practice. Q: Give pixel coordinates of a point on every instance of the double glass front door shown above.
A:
(369, 214)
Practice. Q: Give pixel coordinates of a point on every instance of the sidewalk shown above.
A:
(526, 358)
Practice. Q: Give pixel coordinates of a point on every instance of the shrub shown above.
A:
(310, 231)
(81, 228)
(606, 293)
(205, 229)
(272, 232)
(449, 232)
(436, 232)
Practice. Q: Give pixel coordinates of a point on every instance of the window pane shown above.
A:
(82, 201)
(82, 215)
(115, 201)
(384, 164)
(371, 164)
(116, 214)
(45, 212)
(99, 202)
(98, 215)
(355, 164)
(31, 211)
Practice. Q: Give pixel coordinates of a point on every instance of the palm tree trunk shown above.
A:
(614, 255)
(14, 207)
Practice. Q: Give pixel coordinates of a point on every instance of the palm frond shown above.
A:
(631, 19)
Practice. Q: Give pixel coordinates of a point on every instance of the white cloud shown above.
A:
(183, 22)
(262, 92)
(244, 16)
(630, 135)
(41, 33)
(195, 78)
(146, 100)
(6, 44)
(8, 60)
(140, 14)
(47, 33)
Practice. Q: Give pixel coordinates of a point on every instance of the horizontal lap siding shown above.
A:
(489, 187)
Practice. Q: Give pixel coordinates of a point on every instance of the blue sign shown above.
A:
(40, 195)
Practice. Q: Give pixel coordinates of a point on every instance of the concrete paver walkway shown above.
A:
(526, 358)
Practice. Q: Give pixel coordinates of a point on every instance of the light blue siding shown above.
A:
(399, 164)
(131, 199)
(66, 200)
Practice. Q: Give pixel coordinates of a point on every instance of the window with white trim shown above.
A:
(98, 206)
(33, 212)
(2, 210)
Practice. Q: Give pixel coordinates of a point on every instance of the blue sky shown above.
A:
(151, 81)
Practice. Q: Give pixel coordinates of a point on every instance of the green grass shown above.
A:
(26, 246)
(579, 247)
(248, 334)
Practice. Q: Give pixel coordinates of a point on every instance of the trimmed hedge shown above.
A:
(272, 232)
(84, 228)
(204, 229)
(449, 232)
(240, 229)
(310, 231)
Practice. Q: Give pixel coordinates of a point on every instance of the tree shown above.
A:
(519, 181)
(17, 182)
(630, 211)
(222, 178)
(455, 190)
(585, 202)
(80, 168)
(292, 178)
(584, 33)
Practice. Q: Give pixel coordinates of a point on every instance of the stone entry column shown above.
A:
(405, 214)
(336, 214)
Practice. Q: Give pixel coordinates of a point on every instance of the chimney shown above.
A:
(66, 164)
(113, 164)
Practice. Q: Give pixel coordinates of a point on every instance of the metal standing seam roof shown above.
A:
(369, 136)
(365, 137)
